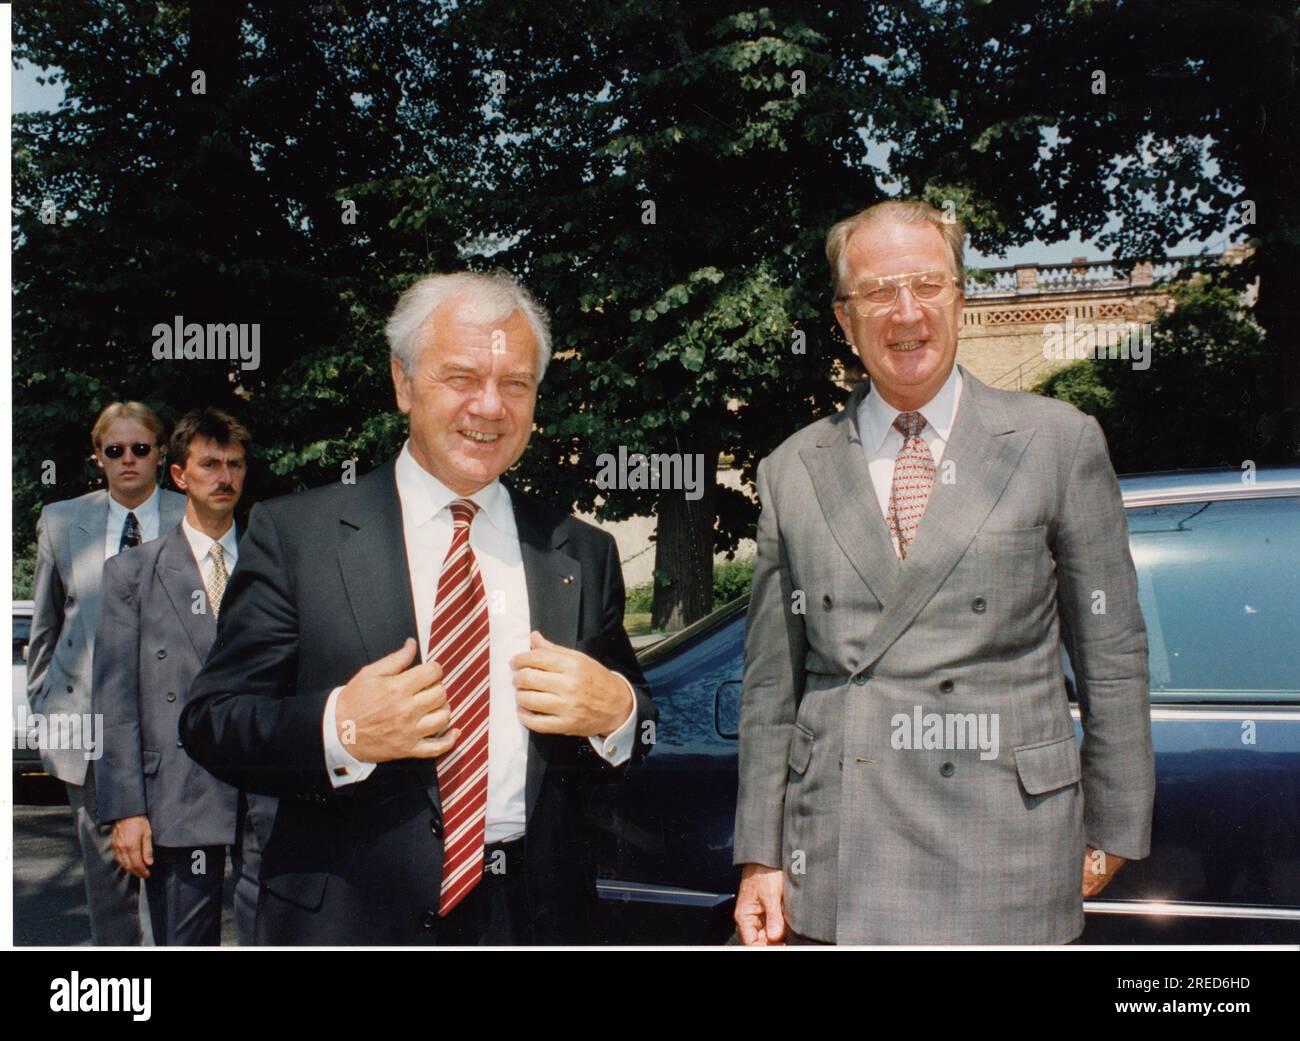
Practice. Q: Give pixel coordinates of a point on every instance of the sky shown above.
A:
(30, 96)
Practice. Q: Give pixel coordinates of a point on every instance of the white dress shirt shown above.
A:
(146, 515)
(881, 441)
(427, 527)
(201, 546)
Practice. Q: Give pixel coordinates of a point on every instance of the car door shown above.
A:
(664, 861)
(1219, 586)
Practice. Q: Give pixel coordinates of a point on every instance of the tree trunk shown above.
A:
(683, 589)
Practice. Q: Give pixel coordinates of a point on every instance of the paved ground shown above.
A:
(49, 894)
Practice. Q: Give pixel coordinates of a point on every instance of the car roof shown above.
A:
(1244, 482)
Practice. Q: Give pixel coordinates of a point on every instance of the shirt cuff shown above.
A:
(617, 748)
(343, 767)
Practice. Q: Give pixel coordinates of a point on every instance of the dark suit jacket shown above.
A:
(322, 589)
(149, 647)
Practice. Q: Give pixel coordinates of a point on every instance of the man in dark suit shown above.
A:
(172, 820)
(428, 669)
(73, 540)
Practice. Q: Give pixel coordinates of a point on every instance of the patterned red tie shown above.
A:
(458, 640)
(913, 479)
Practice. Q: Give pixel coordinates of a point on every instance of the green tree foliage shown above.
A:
(661, 175)
(1199, 402)
(1080, 384)
(140, 199)
(665, 175)
(1139, 124)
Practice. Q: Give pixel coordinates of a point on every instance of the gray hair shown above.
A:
(904, 211)
(488, 298)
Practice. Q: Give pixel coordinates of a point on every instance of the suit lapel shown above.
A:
(553, 577)
(554, 582)
(983, 449)
(180, 577)
(372, 559)
(842, 482)
(86, 545)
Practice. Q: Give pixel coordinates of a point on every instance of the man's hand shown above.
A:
(562, 691)
(1098, 869)
(759, 914)
(133, 845)
(392, 709)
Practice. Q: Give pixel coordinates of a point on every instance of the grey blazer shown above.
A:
(154, 634)
(882, 841)
(66, 589)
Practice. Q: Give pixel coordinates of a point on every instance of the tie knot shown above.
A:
(462, 512)
(909, 424)
(218, 552)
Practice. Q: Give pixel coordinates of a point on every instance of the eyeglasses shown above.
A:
(140, 450)
(877, 296)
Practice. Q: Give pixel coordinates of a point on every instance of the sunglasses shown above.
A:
(140, 450)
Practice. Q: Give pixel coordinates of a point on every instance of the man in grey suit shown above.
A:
(172, 820)
(73, 540)
(908, 767)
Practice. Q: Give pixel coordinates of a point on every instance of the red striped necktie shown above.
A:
(458, 640)
(913, 479)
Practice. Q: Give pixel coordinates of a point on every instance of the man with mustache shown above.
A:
(172, 820)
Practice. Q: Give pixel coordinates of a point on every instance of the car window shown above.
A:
(1219, 588)
(686, 685)
(22, 634)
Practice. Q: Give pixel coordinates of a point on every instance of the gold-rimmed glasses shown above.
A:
(877, 296)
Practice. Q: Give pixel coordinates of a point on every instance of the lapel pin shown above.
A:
(568, 580)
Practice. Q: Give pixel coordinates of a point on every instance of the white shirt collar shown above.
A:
(423, 496)
(117, 512)
(876, 416)
(201, 543)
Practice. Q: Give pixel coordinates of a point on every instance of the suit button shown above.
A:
(435, 826)
(947, 769)
(162, 655)
(979, 605)
(429, 920)
(946, 687)
(180, 743)
(72, 600)
(69, 690)
(860, 678)
(827, 601)
(171, 695)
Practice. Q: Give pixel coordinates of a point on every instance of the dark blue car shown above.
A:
(1218, 563)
